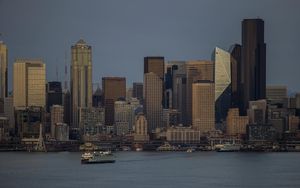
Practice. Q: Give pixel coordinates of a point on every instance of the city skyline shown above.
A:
(177, 36)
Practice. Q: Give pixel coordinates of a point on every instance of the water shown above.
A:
(151, 169)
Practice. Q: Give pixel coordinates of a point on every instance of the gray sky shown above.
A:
(122, 32)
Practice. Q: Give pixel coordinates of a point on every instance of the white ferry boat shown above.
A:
(97, 157)
(167, 147)
(229, 147)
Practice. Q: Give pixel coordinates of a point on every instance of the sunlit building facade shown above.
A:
(222, 83)
(29, 83)
(81, 79)
(196, 71)
(203, 106)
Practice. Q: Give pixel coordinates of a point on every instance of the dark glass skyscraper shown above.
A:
(137, 91)
(253, 61)
(54, 94)
(235, 62)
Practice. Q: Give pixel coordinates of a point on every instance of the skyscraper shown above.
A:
(253, 61)
(3, 70)
(196, 71)
(222, 83)
(152, 100)
(54, 94)
(81, 79)
(113, 89)
(236, 87)
(29, 81)
(203, 106)
(155, 65)
(137, 91)
(172, 69)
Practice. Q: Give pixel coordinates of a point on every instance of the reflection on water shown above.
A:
(151, 169)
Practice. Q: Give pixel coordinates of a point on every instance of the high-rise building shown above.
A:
(54, 94)
(29, 83)
(125, 115)
(113, 89)
(203, 106)
(235, 63)
(172, 70)
(3, 70)
(137, 91)
(152, 100)
(67, 107)
(253, 61)
(57, 116)
(155, 65)
(222, 83)
(81, 79)
(196, 71)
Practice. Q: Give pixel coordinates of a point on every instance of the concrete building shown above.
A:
(129, 94)
(153, 109)
(57, 116)
(183, 135)
(203, 106)
(29, 83)
(90, 119)
(277, 96)
(257, 111)
(125, 115)
(9, 112)
(195, 71)
(276, 92)
(113, 89)
(236, 124)
(28, 121)
(294, 123)
(171, 117)
(222, 83)
(4, 128)
(81, 79)
(3, 70)
(141, 129)
(261, 133)
(61, 132)
(253, 61)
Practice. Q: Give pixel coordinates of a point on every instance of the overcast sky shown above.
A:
(122, 32)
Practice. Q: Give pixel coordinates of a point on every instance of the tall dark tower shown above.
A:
(253, 61)
(235, 62)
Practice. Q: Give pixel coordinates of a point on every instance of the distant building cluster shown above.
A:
(178, 101)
